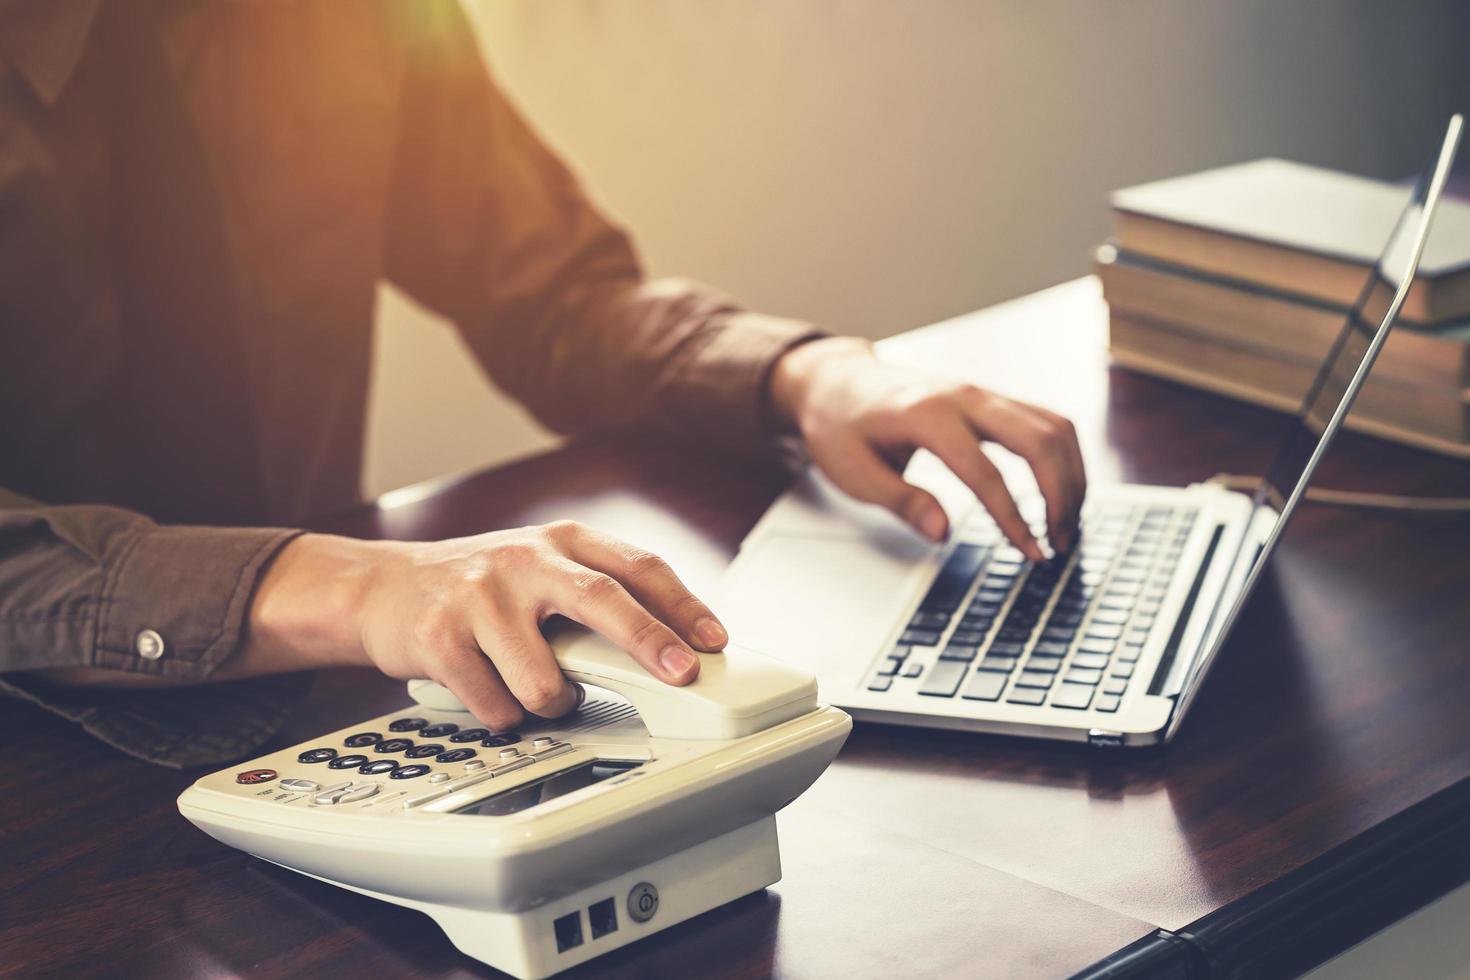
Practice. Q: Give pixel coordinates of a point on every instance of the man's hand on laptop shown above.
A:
(467, 613)
(862, 420)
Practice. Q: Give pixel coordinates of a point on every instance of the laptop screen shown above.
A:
(1332, 392)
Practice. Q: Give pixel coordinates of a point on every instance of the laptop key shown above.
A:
(920, 638)
(1091, 661)
(880, 683)
(1035, 678)
(967, 638)
(890, 666)
(929, 621)
(1049, 664)
(1051, 648)
(1077, 696)
(959, 651)
(1104, 631)
(944, 678)
(1006, 648)
(1094, 644)
(1027, 695)
(1115, 685)
(954, 579)
(985, 687)
(998, 665)
(1115, 616)
(1108, 702)
(1083, 675)
(1122, 670)
(912, 669)
(1130, 652)
(1058, 634)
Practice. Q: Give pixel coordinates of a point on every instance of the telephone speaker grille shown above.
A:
(600, 714)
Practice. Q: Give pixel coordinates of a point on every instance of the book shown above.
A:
(1244, 313)
(1435, 418)
(1298, 229)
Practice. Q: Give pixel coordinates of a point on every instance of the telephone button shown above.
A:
(393, 745)
(300, 785)
(424, 751)
(378, 766)
(362, 739)
(408, 724)
(542, 743)
(474, 765)
(410, 771)
(503, 738)
(509, 753)
(251, 776)
(470, 735)
(316, 755)
(456, 755)
(347, 762)
(440, 730)
(360, 793)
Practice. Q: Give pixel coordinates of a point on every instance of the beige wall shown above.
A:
(878, 164)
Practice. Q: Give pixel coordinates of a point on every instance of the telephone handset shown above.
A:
(737, 692)
(539, 849)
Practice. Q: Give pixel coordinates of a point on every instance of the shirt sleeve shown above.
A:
(490, 228)
(96, 586)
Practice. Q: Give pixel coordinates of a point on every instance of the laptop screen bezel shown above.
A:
(1215, 638)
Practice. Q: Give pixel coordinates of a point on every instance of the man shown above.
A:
(198, 200)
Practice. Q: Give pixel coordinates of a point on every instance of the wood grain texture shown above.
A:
(1339, 704)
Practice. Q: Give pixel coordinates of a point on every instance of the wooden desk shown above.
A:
(1318, 792)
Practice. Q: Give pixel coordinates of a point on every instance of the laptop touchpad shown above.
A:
(820, 601)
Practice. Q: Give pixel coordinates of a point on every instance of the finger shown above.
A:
(599, 601)
(650, 580)
(471, 677)
(1074, 456)
(527, 666)
(857, 469)
(950, 437)
(1037, 441)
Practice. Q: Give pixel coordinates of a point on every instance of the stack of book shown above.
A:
(1238, 280)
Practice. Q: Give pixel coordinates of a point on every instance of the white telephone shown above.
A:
(540, 849)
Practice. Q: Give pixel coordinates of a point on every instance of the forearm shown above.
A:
(307, 609)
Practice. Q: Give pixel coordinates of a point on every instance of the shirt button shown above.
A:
(149, 645)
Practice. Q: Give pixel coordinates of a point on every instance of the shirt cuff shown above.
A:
(174, 603)
(723, 385)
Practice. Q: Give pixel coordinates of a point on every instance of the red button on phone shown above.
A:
(256, 776)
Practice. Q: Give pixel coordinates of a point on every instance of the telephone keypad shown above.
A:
(456, 755)
(378, 767)
(347, 762)
(408, 724)
(439, 730)
(361, 740)
(311, 756)
(470, 735)
(424, 751)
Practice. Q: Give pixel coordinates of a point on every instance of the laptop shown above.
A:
(1107, 644)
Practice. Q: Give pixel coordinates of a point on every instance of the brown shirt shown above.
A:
(197, 202)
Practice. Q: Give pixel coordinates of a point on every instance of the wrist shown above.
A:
(308, 606)
(798, 371)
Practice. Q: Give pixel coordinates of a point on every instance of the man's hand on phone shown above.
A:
(467, 613)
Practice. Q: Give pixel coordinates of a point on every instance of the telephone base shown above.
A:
(542, 941)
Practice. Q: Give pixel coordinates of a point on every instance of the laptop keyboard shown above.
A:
(1067, 632)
